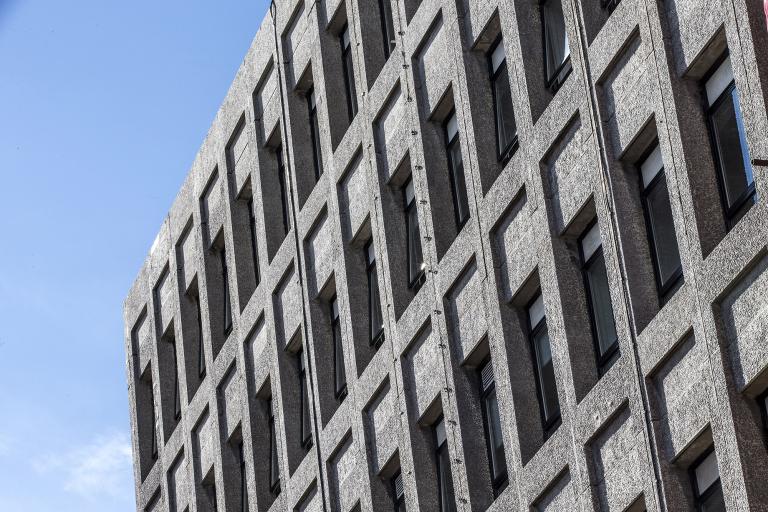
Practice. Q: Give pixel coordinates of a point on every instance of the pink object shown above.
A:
(765, 6)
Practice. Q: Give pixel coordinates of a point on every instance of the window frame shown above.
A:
(666, 290)
(348, 70)
(244, 506)
(731, 214)
(340, 392)
(450, 143)
(377, 338)
(254, 241)
(274, 457)
(439, 450)
(551, 82)
(176, 384)
(304, 401)
(698, 497)
(414, 282)
(762, 402)
(387, 23)
(201, 366)
(155, 449)
(227, 304)
(281, 175)
(503, 155)
(314, 132)
(604, 361)
(548, 425)
(501, 481)
(397, 500)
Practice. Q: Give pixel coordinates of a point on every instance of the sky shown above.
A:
(103, 106)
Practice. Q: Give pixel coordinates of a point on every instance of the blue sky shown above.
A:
(103, 105)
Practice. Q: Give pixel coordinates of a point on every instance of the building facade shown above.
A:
(467, 255)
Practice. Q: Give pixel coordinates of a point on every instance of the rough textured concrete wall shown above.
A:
(691, 368)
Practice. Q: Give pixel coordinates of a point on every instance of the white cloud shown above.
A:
(98, 469)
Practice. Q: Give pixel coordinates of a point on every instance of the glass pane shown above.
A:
(600, 298)
(707, 473)
(349, 81)
(374, 304)
(274, 471)
(176, 394)
(227, 306)
(731, 148)
(714, 502)
(306, 432)
(338, 358)
(387, 27)
(458, 183)
(663, 231)
(444, 476)
(415, 258)
(556, 47)
(505, 116)
(200, 349)
(495, 441)
(546, 376)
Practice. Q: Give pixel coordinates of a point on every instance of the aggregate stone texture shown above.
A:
(691, 370)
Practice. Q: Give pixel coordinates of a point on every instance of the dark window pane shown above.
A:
(200, 344)
(281, 176)
(458, 183)
(495, 440)
(254, 242)
(731, 148)
(415, 256)
(227, 301)
(600, 300)
(659, 210)
(317, 158)
(715, 502)
(340, 377)
(154, 423)
(375, 320)
(387, 27)
(176, 393)
(243, 482)
(504, 112)
(546, 371)
(306, 428)
(556, 49)
(349, 73)
(444, 480)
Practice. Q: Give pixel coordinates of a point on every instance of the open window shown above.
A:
(557, 53)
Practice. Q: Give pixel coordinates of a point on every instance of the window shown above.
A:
(200, 344)
(456, 170)
(375, 319)
(557, 53)
(493, 437)
(705, 479)
(176, 393)
(306, 427)
(339, 373)
(154, 422)
(598, 299)
(660, 226)
(243, 481)
(349, 73)
(317, 156)
(729, 144)
(283, 189)
(610, 5)
(254, 242)
(416, 274)
(398, 492)
(274, 468)
(546, 384)
(387, 27)
(504, 114)
(226, 300)
(763, 404)
(443, 462)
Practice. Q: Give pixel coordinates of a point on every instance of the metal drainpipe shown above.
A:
(304, 303)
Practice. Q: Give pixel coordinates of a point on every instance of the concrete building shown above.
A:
(467, 255)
